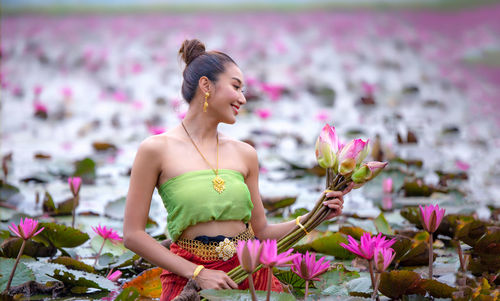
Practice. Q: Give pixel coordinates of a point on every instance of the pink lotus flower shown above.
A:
(368, 88)
(351, 155)
(67, 92)
(249, 254)
(383, 258)
(156, 130)
(114, 276)
(366, 247)
(269, 256)
(463, 166)
(26, 229)
(322, 116)
(307, 268)
(327, 146)
(387, 185)
(39, 107)
(37, 90)
(368, 171)
(273, 91)
(431, 216)
(74, 185)
(263, 113)
(107, 233)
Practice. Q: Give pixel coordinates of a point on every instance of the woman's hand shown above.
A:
(215, 279)
(335, 201)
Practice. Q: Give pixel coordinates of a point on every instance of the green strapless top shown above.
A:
(190, 198)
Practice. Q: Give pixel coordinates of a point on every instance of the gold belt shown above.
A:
(215, 250)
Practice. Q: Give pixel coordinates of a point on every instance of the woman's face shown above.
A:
(228, 97)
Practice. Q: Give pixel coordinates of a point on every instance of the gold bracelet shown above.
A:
(197, 271)
(297, 222)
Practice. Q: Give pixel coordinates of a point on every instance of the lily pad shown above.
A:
(395, 284)
(86, 170)
(147, 283)
(327, 243)
(275, 203)
(336, 281)
(243, 295)
(79, 283)
(116, 249)
(61, 236)
(73, 264)
(382, 225)
(11, 246)
(63, 208)
(437, 289)
(7, 191)
(22, 274)
(361, 287)
(355, 232)
(291, 278)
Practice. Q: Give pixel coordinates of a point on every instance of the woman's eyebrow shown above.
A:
(239, 81)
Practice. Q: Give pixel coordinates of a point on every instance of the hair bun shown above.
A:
(191, 49)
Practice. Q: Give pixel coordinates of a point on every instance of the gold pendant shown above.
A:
(218, 184)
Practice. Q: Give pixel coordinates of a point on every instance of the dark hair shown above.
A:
(200, 63)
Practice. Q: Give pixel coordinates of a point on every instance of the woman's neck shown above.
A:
(201, 128)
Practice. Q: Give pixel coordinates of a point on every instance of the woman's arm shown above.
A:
(261, 228)
(143, 178)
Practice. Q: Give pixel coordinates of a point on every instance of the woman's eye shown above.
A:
(236, 87)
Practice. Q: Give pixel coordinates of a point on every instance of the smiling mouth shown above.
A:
(235, 109)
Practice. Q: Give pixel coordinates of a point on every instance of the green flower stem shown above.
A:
(314, 218)
(377, 283)
(75, 200)
(307, 290)
(15, 265)
(370, 268)
(431, 255)
(99, 253)
(252, 287)
(460, 256)
(269, 278)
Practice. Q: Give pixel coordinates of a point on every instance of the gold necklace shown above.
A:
(217, 181)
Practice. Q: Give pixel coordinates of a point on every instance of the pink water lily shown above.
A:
(351, 155)
(26, 229)
(249, 254)
(327, 146)
(74, 185)
(366, 247)
(307, 268)
(383, 258)
(431, 217)
(263, 113)
(156, 130)
(39, 107)
(273, 91)
(387, 185)
(269, 256)
(107, 233)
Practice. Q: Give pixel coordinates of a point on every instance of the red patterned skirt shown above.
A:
(172, 284)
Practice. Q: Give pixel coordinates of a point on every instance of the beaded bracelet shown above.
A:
(297, 222)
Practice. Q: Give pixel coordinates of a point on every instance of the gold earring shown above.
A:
(205, 104)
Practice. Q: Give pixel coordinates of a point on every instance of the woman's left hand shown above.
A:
(335, 201)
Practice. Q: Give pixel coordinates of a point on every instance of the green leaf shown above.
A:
(417, 255)
(116, 208)
(73, 264)
(395, 284)
(291, 278)
(7, 191)
(61, 236)
(117, 249)
(355, 232)
(336, 281)
(71, 280)
(361, 286)
(128, 294)
(22, 274)
(243, 295)
(412, 214)
(86, 170)
(437, 289)
(275, 203)
(382, 225)
(329, 243)
(11, 246)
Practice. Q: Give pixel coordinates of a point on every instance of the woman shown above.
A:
(208, 183)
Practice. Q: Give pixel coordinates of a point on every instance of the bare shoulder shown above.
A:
(241, 147)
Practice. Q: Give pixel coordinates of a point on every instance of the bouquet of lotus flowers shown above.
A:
(344, 165)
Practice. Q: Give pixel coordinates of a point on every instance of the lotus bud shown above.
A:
(351, 155)
(327, 146)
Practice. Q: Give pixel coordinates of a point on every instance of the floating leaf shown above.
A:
(395, 284)
(243, 295)
(128, 294)
(60, 236)
(147, 283)
(73, 264)
(417, 255)
(382, 225)
(79, 282)
(336, 281)
(275, 203)
(291, 278)
(437, 289)
(116, 249)
(417, 189)
(63, 208)
(355, 232)
(86, 170)
(7, 191)
(11, 246)
(361, 287)
(22, 274)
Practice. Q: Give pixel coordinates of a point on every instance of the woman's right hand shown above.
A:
(215, 279)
